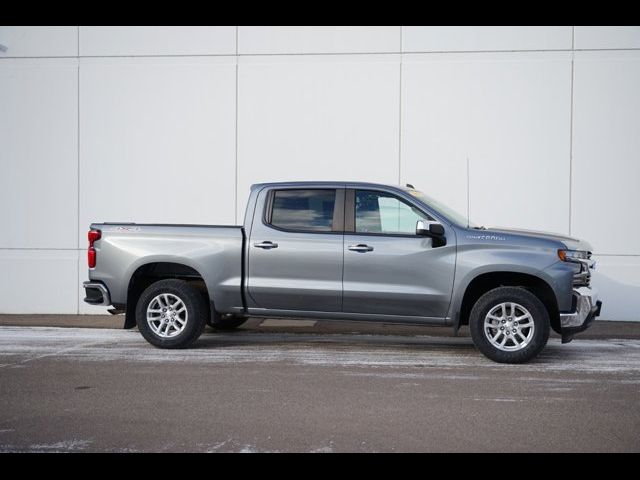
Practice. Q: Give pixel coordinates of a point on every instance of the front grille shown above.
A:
(582, 278)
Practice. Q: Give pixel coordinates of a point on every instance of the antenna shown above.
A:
(410, 186)
(3, 48)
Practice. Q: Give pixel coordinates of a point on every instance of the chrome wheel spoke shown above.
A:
(489, 324)
(509, 326)
(167, 315)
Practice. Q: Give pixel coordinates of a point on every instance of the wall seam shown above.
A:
(400, 116)
(571, 129)
(417, 52)
(78, 169)
(468, 192)
(55, 249)
(235, 203)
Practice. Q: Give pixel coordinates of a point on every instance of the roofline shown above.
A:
(325, 183)
(401, 189)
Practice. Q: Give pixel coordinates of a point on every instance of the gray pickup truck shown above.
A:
(351, 251)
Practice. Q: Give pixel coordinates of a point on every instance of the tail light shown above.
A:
(93, 235)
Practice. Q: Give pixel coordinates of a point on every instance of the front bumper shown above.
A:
(97, 293)
(586, 308)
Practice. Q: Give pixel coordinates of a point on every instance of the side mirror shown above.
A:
(428, 228)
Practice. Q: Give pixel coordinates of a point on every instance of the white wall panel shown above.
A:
(484, 38)
(510, 115)
(38, 153)
(149, 40)
(318, 39)
(18, 269)
(157, 140)
(607, 37)
(606, 146)
(39, 41)
(318, 118)
(435, 127)
(617, 279)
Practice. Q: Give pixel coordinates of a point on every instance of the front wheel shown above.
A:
(509, 325)
(171, 314)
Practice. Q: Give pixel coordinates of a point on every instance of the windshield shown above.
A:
(441, 208)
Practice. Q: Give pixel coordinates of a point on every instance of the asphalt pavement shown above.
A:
(325, 387)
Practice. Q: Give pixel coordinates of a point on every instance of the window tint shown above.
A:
(379, 212)
(306, 210)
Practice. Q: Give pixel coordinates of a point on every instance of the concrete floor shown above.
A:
(312, 389)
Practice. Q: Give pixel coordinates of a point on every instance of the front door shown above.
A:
(295, 250)
(388, 269)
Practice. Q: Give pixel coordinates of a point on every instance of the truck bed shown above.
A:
(214, 252)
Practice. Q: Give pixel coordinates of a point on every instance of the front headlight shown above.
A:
(573, 255)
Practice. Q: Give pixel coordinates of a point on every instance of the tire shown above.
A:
(176, 297)
(226, 322)
(491, 325)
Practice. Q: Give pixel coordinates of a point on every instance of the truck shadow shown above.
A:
(248, 338)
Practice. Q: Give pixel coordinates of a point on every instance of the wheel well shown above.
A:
(152, 272)
(488, 281)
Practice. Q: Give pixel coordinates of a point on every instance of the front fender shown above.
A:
(479, 259)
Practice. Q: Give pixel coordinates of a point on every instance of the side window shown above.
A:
(379, 212)
(303, 210)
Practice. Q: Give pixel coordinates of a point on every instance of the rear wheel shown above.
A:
(171, 314)
(509, 325)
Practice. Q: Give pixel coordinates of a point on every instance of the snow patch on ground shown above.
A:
(21, 345)
(62, 446)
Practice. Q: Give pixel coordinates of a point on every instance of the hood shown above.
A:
(570, 242)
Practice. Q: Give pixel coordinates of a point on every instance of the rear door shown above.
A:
(295, 249)
(388, 269)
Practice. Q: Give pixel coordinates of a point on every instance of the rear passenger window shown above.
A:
(303, 210)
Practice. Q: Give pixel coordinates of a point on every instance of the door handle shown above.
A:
(266, 245)
(360, 248)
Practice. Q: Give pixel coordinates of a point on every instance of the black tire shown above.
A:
(226, 322)
(196, 309)
(526, 299)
